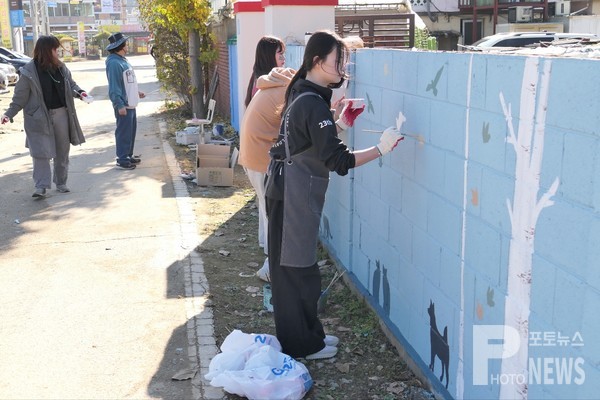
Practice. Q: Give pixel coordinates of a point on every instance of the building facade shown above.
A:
(80, 19)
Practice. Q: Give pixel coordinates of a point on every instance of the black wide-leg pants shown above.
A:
(295, 294)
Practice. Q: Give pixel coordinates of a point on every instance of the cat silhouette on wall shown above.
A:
(439, 344)
(386, 292)
(376, 281)
(377, 286)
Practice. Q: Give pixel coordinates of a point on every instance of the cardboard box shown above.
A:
(214, 165)
(190, 135)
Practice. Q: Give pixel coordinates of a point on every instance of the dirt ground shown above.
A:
(367, 365)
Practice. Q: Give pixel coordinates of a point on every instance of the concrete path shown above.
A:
(101, 290)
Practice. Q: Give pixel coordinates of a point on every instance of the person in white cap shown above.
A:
(124, 95)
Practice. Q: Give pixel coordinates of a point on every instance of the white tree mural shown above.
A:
(528, 144)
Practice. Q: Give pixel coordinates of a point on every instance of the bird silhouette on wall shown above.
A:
(439, 344)
(490, 297)
(386, 292)
(433, 84)
(485, 132)
(370, 108)
(376, 280)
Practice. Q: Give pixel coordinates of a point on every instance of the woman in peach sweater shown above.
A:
(258, 132)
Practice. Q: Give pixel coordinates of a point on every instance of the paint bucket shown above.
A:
(267, 298)
(356, 103)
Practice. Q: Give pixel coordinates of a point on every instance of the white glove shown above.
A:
(388, 140)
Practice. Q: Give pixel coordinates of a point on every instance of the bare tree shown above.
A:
(528, 144)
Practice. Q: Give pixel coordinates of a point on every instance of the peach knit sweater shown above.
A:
(260, 124)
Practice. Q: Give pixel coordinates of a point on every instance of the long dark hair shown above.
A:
(42, 52)
(320, 44)
(264, 61)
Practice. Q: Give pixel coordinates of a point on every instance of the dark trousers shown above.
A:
(295, 294)
(125, 135)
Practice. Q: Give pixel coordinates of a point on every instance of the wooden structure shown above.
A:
(389, 30)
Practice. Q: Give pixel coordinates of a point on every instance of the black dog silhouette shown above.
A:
(439, 344)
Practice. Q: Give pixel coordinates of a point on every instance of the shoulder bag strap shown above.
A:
(288, 156)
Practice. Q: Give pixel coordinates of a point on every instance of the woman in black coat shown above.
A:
(307, 150)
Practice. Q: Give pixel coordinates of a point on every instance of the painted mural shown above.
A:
(439, 344)
(524, 211)
(441, 233)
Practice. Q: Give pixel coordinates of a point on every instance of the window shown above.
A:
(75, 10)
(62, 10)
(467, 30)
(87, 10)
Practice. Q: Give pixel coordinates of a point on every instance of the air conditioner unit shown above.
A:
(563, 7)
(520, 14)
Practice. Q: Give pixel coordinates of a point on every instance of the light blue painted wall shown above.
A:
(397, 224)
(233, 89)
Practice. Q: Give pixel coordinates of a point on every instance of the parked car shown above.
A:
(15, 62)
(13, 54)
(3, 83)
(10, 73)
(523, 39)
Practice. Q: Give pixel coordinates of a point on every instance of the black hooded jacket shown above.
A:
(311, 124)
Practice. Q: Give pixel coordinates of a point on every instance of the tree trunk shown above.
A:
(528, 144)
(197, 88)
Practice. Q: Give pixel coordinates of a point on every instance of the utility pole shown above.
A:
(39, 19)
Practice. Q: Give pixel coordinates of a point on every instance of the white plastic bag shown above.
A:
(236, 349)
(266, 373)
(240, 341)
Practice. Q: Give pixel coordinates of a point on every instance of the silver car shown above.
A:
(10, 73)
(525, 39)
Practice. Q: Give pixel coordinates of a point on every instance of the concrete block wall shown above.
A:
(429, 223)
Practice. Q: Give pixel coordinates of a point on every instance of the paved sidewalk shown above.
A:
(200, 318)
(102, 291)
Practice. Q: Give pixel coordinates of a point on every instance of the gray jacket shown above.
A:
(37, 123)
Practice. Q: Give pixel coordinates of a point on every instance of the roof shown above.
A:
(368, 3)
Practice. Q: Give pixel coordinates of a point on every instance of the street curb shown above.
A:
(202, 346)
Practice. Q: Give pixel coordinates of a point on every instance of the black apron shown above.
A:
(301, 181)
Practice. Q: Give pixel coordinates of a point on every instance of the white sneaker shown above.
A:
(263, 272)
(331, 340)
(325, 352)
